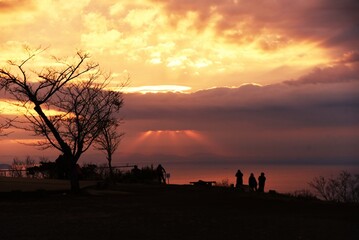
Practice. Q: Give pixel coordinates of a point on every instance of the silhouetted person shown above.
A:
(62, 167)
(161, 172)
(252, 182)
(261, 182)
(239, 180)
(136, 172)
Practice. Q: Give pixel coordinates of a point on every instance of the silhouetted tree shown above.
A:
(89, 172)
(343, 188)
(304, 194)
(76, 90)
(5, 125)
(48, 170)
(17, 167)
(109, 140)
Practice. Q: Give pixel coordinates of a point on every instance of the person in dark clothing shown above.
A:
(136, 173)
(62, 167)
(239, 180)
(261, 182)
(252, 182)
(161, 172)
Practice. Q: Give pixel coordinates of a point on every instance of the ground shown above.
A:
(170, 212)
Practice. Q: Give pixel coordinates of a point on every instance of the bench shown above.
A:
(203, 183)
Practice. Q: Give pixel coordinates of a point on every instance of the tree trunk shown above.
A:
(112, 179)
(74, 178)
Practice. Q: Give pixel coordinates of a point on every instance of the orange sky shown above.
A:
(256, 79)
(197, 44)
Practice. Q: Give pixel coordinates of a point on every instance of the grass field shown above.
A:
(8, 184)
(48, 211)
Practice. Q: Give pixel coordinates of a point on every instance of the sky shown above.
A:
(210, 81)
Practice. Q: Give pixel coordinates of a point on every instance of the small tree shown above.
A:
(343, 188)
(75, 89)
(17, 167)
(108, 141)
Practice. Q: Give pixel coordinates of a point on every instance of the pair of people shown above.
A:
(252, 182)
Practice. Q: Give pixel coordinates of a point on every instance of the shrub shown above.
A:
(89, 172)
(342, 188)
(223, 183)
(304, 194)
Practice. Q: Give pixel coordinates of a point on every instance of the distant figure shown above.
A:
(136, 172)
(239, 180)
(161, 172)
(261, 182)
(62, 167)
(252, 182)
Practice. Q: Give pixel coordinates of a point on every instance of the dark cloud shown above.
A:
(312, 119)
(3, 94)
(332, 23)
(278, 123)
(281, 123)
(335, 74)
(350, 57)
(282, 104)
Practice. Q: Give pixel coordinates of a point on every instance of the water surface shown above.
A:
(282, 178)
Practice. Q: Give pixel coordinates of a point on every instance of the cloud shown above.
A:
(275, 123)
(15, 5)
(277, 106)
(276, 23)
(278, 123)
(19, 11)
(335, 74)
(204, 44)
(196, 43)
(350, 57)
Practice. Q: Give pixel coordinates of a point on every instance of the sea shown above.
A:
(281, 178)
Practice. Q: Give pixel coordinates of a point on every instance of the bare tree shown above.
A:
(343, 188)
(75, 89)
(17, 168)
(108, 141)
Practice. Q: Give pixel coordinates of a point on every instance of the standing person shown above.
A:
(161, 172)
(239, 180)
(136, 173)
(261, 182)
(252, 182)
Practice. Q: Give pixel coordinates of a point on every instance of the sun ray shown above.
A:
(204, 141)
(179, 142)
(139, 140)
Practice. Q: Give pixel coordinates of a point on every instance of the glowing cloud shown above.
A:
(14, 108)
(200, 44)
(157, 89)
(303, 54)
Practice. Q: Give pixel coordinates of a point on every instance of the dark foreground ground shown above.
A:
(171, 212)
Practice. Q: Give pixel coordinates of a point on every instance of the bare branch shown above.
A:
(84, 107)
(6, 125)
(343, 188)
